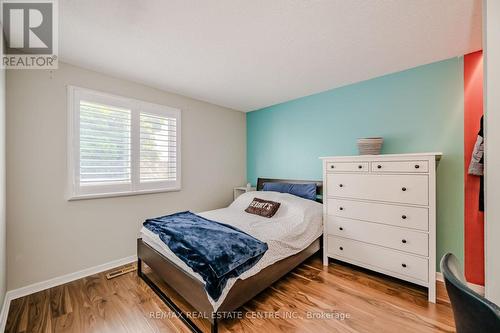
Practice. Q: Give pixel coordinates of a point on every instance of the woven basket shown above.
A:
(370, 146)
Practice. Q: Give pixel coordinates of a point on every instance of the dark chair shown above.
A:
(473, 313)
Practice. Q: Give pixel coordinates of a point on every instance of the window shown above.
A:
(121, 146)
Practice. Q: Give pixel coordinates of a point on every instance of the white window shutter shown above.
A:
(105, 144)
(120, 146)
(158, 148)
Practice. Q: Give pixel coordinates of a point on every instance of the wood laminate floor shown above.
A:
(312, 298)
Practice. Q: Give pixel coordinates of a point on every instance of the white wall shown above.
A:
(49, 236)
(3, 249)
(491, 45)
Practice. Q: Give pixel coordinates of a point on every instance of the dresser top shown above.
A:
(437, 155)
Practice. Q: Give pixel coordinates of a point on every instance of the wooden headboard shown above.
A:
(319, 185)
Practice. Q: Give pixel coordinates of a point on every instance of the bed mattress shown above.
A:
(295, 226)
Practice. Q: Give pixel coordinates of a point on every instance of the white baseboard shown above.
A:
(57, 281)
(4, 312)
(476, 287)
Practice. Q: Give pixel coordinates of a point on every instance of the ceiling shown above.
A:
(250, 54)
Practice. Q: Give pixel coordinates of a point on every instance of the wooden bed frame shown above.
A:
(192, 290)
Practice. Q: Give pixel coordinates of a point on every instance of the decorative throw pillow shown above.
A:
(264, 208)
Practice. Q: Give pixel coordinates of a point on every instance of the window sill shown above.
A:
(119, 194)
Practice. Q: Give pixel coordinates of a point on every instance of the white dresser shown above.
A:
(380, 213)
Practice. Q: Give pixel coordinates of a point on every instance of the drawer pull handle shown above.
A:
(403, 241)
(340, 228)
(332, 166)
(341, 248)
(341, 208)
(403, 189)
(404, 265)
(417, 166)
(341, 185)
(360, 167)
(403, 217)
(379, 166)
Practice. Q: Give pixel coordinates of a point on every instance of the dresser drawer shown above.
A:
(377, 256)
(401, 216)
(347, 166)
(402, 166)
(411, 189)
(379, 234)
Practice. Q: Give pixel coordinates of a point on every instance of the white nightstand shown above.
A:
(237, 191)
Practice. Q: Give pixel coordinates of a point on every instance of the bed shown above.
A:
(293, 235)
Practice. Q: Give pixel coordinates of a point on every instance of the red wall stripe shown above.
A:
(474, 219)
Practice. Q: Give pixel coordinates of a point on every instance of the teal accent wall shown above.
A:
(417, 110)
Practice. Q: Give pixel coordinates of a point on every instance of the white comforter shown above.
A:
(295, 226)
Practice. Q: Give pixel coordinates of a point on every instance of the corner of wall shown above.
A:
(3, 226)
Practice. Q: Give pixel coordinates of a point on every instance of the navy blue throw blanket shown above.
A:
(216, 251)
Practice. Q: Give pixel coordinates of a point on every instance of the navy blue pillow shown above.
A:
(306, 191)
